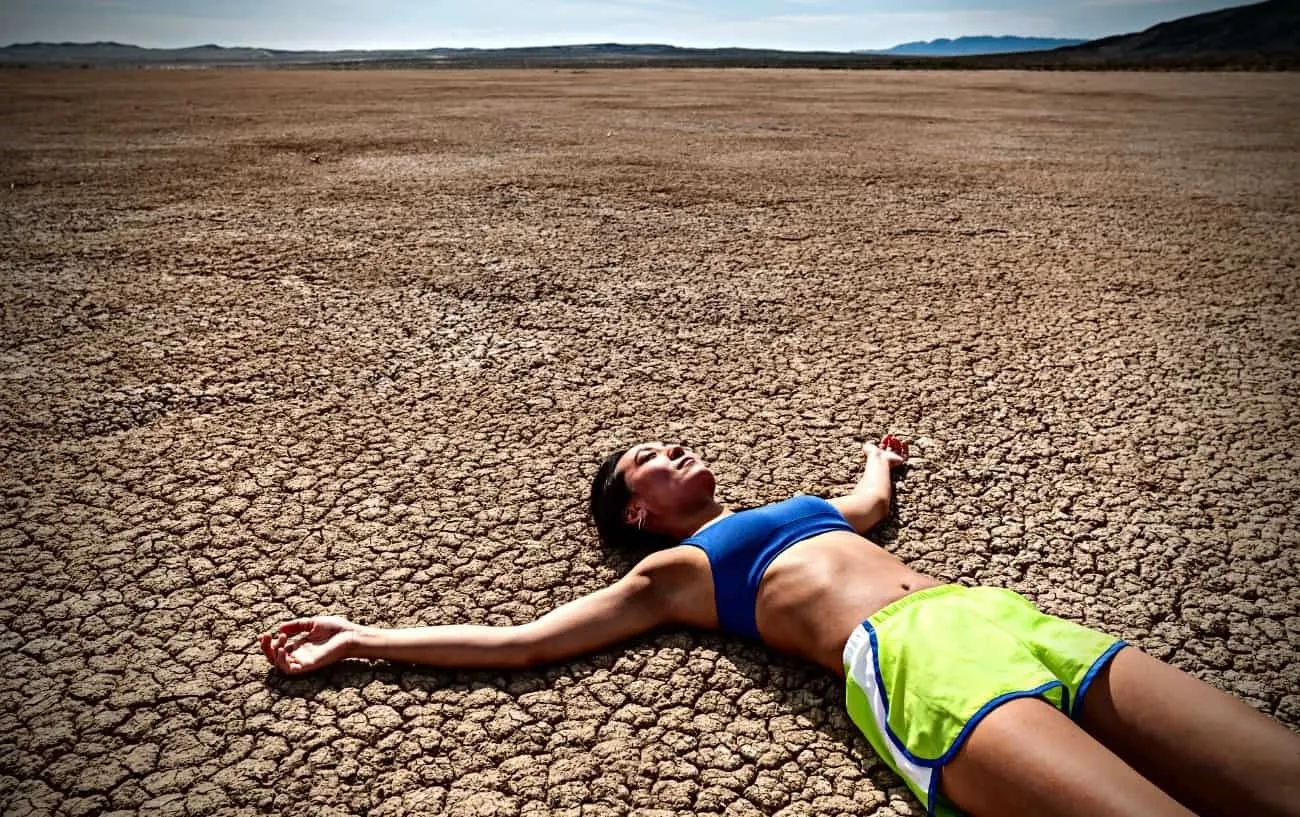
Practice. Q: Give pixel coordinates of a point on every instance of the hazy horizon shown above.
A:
(795, 25)
(488, 48)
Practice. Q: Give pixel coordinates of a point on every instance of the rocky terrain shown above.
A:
(279, 343)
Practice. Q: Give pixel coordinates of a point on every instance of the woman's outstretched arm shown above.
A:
(868, 504)
(637, 603)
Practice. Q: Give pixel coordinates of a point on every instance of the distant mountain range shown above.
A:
(547, 56)
(1262, 35)
(965, 46)
(120, 52)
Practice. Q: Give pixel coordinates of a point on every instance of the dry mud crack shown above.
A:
(287, 342)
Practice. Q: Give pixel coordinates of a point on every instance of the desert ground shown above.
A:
(281, 343)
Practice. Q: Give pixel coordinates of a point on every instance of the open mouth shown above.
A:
(684, 462)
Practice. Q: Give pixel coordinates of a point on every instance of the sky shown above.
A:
(835, 25)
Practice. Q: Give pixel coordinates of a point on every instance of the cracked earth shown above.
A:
(280, 343)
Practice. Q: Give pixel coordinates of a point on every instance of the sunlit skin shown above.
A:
(1150, 733)
(805, 606)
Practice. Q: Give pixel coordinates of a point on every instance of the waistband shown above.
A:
(861, 634)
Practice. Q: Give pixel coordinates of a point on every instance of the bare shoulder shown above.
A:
(683, 558)
(680, 578)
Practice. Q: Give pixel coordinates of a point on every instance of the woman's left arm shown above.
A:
(868, 504)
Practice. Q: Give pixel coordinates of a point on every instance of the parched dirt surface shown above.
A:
(284, 343)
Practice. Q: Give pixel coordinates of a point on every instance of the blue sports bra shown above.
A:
(742, 545)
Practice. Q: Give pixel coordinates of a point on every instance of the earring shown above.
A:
(640, 520)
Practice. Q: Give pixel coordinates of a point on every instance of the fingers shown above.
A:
(895, 444)
(889, 442)
(298, 625)
(279, 653)
(282, 652)
(284, 655)
(279, 650)
(275, 644)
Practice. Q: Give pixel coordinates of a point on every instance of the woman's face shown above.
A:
(665, 478)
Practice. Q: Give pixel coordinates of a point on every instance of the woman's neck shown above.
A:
(690, 523)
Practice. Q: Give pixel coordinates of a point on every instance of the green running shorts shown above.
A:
(923, 671)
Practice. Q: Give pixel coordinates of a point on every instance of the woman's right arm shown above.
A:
(637, 603)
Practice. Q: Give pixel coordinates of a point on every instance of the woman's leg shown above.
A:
(1213, 752)
(1027, 757)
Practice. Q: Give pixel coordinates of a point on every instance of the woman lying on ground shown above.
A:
(974, 697)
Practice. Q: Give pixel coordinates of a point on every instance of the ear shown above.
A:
(634, 514)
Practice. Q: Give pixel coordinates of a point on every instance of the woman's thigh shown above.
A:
(1027, 757)
(1213, 752)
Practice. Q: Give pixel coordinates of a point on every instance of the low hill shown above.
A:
(549, 56)
(1260, 32)
(965, 46)
(111, 53)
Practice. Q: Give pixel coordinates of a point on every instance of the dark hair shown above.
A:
(609, 498)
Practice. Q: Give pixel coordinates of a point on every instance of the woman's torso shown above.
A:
(812, 595)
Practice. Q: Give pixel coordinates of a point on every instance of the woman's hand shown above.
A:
(891, 448)
(307, 644)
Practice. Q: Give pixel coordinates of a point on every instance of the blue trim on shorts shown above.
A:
(980, 714)
(933, 798)
(1091, 675)
(983, 711)
(936, 779)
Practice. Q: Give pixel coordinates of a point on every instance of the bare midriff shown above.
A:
(815, 593)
